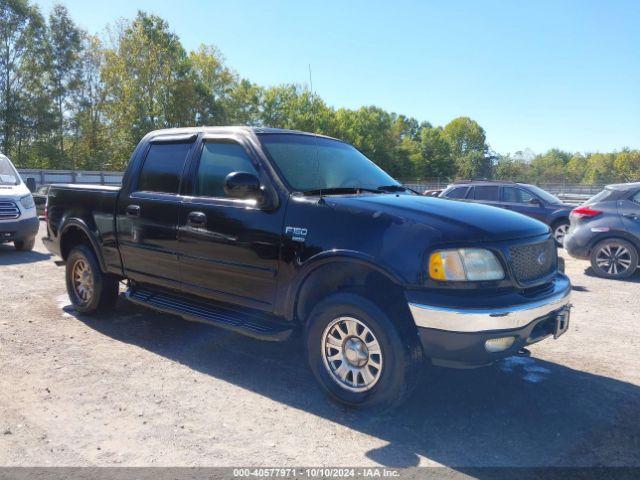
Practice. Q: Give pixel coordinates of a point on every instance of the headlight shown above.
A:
(27, 202)
(465, 264)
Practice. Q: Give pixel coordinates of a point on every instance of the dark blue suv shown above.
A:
(519, 197)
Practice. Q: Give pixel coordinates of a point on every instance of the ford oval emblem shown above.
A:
(542, 258)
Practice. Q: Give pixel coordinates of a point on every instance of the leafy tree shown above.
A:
(469, 149)
(65, 48)
(550, 167)
(21, 41)
(214, 84)
(435, 159)
(511, 168)
(627, 165)
(142, 74)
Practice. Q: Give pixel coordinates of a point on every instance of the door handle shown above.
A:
(196, 219)
(133, 211)
(632, 216)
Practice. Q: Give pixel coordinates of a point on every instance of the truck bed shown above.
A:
(94, 207)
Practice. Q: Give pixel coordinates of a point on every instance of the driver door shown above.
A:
(521, 201)
(228, 248)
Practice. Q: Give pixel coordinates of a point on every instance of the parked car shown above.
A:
(268, 232)
(606, 231)
(18, 221)
(519, 197)
(432, 193)
(40, 199)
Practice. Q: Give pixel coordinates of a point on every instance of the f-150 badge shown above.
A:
(298, 234)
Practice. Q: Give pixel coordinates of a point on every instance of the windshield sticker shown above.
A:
(7, 178)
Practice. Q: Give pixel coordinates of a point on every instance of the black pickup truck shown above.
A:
(269, 232)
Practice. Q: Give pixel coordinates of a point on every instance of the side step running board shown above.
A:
(244, 321)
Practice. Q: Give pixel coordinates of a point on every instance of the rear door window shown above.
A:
(162, 167)
(488, 193)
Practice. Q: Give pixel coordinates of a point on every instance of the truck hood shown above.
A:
(447, 220)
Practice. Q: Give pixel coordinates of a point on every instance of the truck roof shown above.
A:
(228, 129)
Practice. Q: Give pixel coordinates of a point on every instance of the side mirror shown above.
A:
(242, 185)
(31, 184)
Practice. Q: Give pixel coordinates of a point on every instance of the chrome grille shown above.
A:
(533, 261)
(8, 210)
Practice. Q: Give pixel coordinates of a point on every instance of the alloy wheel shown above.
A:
(560, 232)
(82, 280)
(614, 259)
(351, 354)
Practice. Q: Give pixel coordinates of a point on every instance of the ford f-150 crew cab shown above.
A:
(269, 232)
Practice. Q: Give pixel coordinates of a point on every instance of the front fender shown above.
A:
(332, 257)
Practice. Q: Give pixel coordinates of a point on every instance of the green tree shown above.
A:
(65, 49)
(627, 165)
(468, 143)
(550, 167)
(435, 159)
(22, 30)
(142, 75)
(511, 168)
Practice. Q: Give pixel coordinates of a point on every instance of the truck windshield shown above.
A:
(8, 174)
(309, 164)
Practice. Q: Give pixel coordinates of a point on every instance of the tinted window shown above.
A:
(162, 167)
(458, 192)
(636, 198)
(216, 162)
(487, 193)
(525, 197)
(516, 195)
(600, 197)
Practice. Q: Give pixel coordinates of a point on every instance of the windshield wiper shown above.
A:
(339, 190)
(392, 188)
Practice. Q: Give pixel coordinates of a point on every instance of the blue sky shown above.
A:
(535, 74)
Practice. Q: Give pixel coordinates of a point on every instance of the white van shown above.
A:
(18, 220)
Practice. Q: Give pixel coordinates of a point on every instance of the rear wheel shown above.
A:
(560, 230)
(358, 354)
(90, 290)
(25, 245)
(614, 258)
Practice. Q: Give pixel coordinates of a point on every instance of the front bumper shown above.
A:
(456, 337)
(20, 229)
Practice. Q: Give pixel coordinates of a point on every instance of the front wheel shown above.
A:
(359, 355)
(614, 258)
(90, 290)
(25, 245)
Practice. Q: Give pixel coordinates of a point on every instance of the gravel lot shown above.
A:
(138, 388)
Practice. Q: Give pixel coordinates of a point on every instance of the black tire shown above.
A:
(610, 257)
(401, 353)
(25, 245)
(105, 287)
(559, 230)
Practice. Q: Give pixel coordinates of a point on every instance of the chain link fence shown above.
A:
(569, 192)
